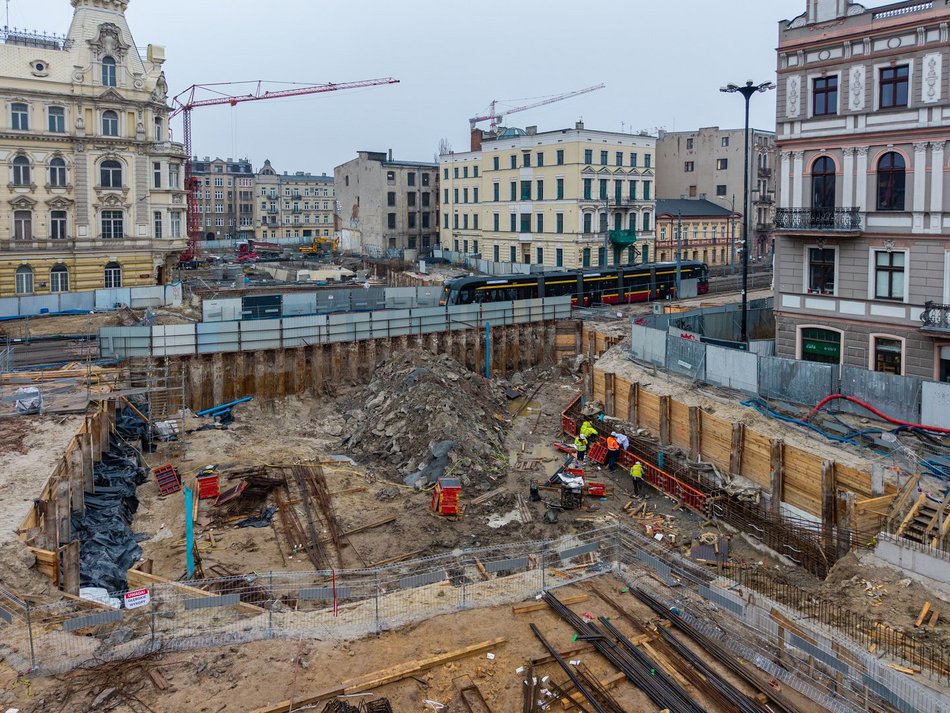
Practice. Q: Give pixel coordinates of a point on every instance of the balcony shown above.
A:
(935, 318)
(819, 220)
(622, 238)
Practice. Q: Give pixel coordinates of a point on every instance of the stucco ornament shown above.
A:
(109, 42)
(856, 85)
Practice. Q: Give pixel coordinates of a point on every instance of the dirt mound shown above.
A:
(427, 416)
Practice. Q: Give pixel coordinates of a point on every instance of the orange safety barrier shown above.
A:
(692, 498)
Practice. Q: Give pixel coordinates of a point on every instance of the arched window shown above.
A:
(57, 173)
(108, 72)
(113, 275)
(59, 279)
(110, 123)
(21, 171)
(24, 280)
(823, 183)
(891, 173)
(110, 174)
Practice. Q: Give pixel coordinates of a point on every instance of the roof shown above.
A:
(691, 208)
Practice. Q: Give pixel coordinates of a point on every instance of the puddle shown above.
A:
(495, 520)
(529, 407)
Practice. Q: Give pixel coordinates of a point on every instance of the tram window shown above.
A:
(465, 296)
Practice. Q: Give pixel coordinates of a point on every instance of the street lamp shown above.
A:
(747, 91)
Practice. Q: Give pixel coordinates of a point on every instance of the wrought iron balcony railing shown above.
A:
(936, 317)
(842, 220)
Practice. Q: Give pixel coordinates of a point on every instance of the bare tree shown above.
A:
(444, 147)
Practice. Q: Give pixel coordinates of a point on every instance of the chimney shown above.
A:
(579, 125)
(477, 135)
(531, 130)
(390, 155)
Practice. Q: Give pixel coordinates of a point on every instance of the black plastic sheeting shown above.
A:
(107, 546)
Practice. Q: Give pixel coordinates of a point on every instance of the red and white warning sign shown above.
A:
(137, 598)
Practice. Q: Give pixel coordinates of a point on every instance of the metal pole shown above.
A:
(189, 535)
(487, 350)
(744, 337)
(679, 250)
(732, 235)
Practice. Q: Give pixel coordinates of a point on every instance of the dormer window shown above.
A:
(110, 123)
(108, 72)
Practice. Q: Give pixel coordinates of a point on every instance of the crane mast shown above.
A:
(187, 101)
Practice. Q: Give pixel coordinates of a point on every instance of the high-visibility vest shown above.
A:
(636, 471)
(613, 444)
(580, 444)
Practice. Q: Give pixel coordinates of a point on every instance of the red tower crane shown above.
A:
(496, 116)
(187, 100)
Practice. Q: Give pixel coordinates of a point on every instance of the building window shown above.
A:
(825, 96)
(821, 270)
(21, 171)
(894, 86)
(721, 189)
(496, 225)
(513, 190)
(110, 123)
(22, 225)
(108, 72)
(57, 119)
(539, 227)
(559, 157)
(57, 173)
(525, 222)
(112, 275)
(633, 160)
(445, 221)
(539, 159)
(445, 174)
(157, 174)
(445, 195)
(821, 345)
(646, 190)
(888, 355)
(588, 156)
(526, 160)
(19, 117)
(588, 185)
(410, 200)
(175, 220)
(823, 183)
(391, 198)
(588, 223)
(158, 128)
(890, 181)
(646, 222)
(539, 185)
(464, 195)
(603, 158)
(390, 178)
(889, 275)
(411, 178)
(689, 144)
(112, 227)
(513, 223)
(391, 221)
(526, 190)
(425, 178)
(725, 142)
(603, 188)
(474, 195)
(57, 225)
(495, 162)
(559, 223)
(24, 280)
(513, 161)
(59, 279)
(689, 166)
(722, 164)
(513, 254)
(158, 223)
(174, 175)
(110, 174)
(540, 256)
(496, 192)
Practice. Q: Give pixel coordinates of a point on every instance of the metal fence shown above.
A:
(89, 300)
(777, 379)
(816, 660)
(250, 335)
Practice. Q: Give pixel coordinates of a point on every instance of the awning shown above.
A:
(623, 237)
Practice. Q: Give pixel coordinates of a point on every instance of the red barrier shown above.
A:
(692, 498)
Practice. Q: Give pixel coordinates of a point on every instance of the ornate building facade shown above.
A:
(94, 195)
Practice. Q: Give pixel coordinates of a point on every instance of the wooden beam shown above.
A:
(923, 613)
(633, 405)
(664, 420)
(380, 678)
(71, 567)
(777, 473)
(828, 500)
(738, 443)
(538, 606)
(137, 578)
(570, 651)
(912, 513)
(695, 433)
(609, 393)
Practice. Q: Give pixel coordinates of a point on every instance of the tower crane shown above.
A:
(188, 100)
(495, 116)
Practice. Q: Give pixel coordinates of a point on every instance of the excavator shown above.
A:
(320, 246)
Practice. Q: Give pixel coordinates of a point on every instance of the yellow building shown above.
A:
(94, 196)
(699, 229)
(566, 198)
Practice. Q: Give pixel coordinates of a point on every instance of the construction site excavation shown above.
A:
(523, 518)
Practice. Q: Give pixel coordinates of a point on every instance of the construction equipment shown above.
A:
(320, 246)
(187, 100)
(167, 479)
(249, 250)
(445, 497)
(496, 116)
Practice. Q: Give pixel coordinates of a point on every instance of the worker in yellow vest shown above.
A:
(588, 430)
(636, 473)
(580, 445)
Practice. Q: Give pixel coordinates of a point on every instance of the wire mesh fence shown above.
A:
(808, 654)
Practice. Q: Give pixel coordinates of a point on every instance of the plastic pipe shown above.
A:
(889, 419)
(222, 407)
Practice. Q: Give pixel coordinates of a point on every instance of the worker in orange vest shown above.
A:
(613, 452)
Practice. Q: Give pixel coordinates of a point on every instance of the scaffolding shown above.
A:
(158, 384)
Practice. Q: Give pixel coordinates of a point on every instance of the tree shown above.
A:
(444, 147)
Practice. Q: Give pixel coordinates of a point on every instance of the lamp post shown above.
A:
(746, 91)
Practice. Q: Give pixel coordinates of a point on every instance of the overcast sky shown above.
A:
(663, 63)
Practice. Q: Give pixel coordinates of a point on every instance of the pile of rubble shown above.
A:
(427, 416)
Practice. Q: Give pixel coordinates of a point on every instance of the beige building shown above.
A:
(862, 250)
(698, 229)
(225, 197)
(293, 205)
(388, 207)
(551, 199)
(94, 191)
(708, 163)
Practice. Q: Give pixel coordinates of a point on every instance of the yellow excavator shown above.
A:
(320, 246)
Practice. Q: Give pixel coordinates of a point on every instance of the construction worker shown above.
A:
(580, 445)
(587, 429)
(636, 473)
(613, 452)
(621, 439)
